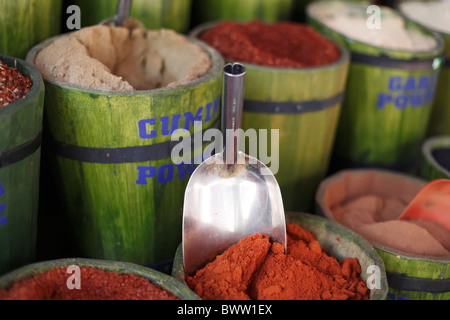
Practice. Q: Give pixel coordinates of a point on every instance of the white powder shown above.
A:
(351, 21)
(434, 15)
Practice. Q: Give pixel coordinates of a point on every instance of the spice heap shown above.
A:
(375, 218)
(351, 20)
(256, 269)
(284, 44)
(96, 284)
(119, 59)
(13, 85)
(434, 15)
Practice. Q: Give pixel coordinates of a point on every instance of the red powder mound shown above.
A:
(95, 285)
(284, 44)
(258, 270)
(13, 85)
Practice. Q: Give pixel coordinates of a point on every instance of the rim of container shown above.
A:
(437, 51)
(27, 69)
(344, 52)
(430, 144)
(217, 64)
(328, 213)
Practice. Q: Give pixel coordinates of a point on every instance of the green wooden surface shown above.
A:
(439, 123)
(440, 116)
(162, 280)
(20, 122)
(113, 216)
(25, 23)
(154, 14)
(238, 10)
(305, 139)
(373, 133)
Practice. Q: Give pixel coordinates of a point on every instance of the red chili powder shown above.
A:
(255, 269)
(13, 85)
(96, 284)
(284, 44)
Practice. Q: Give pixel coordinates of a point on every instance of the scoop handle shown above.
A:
(232, 106)
(123, 12)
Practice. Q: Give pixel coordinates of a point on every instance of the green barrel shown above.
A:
(338, 241)
(296, 111)
(409, 276)
(440, 117)
(436, 158)
(388, 99)
(238, 10)
(155, 277)
(154, 14)
(25, 23)
(111, 154)
(20, 154)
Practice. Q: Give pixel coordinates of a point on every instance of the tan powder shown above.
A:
(120, 59)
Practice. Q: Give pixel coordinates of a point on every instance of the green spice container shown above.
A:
(436, 158)
(338, 241)
(296, 111)
(409, 275)
(434, 16)
(111, 154)
(157, 278)
(238, 10)
(154, 14)
(20, 151)
(25, 23)
(390, 92)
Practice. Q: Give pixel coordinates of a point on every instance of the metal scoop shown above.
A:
(431, 203)
(122, 16)
(230, 195)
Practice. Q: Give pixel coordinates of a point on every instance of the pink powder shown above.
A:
(375, 218)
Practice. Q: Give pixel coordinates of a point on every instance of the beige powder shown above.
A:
(352, 20)
(120, 59)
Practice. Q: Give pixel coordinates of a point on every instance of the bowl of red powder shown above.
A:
(295, 83)
(416, 252)
(88, 279)
(324, 261)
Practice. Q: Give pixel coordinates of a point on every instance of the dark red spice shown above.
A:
(96, 284)
(283, 44)
(13, 85)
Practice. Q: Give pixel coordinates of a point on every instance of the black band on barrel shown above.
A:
(402, 282)
(384, 61)
(292, 107)
(137, 154)
(16, 154)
